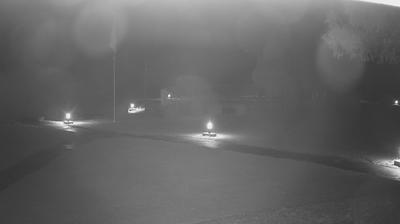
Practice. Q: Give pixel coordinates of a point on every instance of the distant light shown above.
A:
(396, 102)
(169, 95)
(210, 125)
(68, 116)
(135, 110)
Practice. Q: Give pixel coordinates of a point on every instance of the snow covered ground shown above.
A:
(19, 140)
(158, 170)
(133, 180)
(234, 135)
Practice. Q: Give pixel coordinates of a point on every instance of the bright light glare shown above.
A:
(68, 116)
(132, 105)
(396, 102)
(387, 168)
(210, 125)
(169, 95)
(395, 3)
(207, 141)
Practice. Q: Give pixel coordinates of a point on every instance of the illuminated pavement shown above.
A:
(60, 125)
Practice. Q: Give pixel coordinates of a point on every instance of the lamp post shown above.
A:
(209, 132)
(114, 58)
(68, 119)
(113, 46)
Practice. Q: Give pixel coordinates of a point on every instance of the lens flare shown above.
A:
(210, 125)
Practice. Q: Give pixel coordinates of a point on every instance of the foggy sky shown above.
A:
(58, 54)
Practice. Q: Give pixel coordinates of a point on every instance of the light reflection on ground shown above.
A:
(207, 141)
(387, 163)
(383, 167)
(70, 127)
(387, 168)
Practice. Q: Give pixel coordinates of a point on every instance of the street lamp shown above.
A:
(68, 119)
(134, 110)
(209, 132)
(210, 125)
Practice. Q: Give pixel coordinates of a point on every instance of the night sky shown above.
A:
(58, 54)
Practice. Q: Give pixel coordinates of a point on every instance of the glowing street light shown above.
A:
(396, 103)
(169, 96)
(209, 132)
(134, 110)
(210, 125)
(68, 119)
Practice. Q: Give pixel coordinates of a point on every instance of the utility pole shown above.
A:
(114, 57)
(113, 46)
(145, 81)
